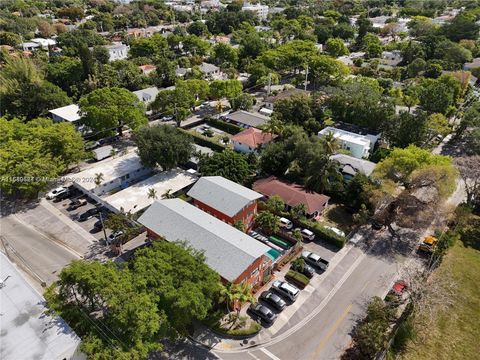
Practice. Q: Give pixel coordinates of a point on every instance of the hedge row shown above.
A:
(204, 141)
(324, 233)
(254, 328)
(297, 278)
(222, 125)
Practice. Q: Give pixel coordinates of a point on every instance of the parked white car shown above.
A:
(285, 223)
(55, 192)
(307, 234)
(285, 289)
(335, 230)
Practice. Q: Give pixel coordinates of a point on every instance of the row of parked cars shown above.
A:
(77, 201)
(282, 292)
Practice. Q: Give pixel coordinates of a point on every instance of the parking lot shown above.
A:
(283, 316)
(74, 215)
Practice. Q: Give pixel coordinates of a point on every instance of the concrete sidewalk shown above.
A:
(51, 222)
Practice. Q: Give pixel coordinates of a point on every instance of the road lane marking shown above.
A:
(315, 312)
(269, 354)
(364, 286)
(330, 332)
(253, 356)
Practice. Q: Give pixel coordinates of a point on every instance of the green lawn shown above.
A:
(337, 216)
(456, 334)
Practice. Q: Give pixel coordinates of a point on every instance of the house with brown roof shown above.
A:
(250, 140)
(293, 195)
(147, 68)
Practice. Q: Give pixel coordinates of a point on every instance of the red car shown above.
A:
(398, 288)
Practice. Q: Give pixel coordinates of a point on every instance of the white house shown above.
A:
(260, 10)
(44, 43)
(211, 71)
(117, 51)
(69, 113)
(359, 145)
(110, 174)
(250, 140)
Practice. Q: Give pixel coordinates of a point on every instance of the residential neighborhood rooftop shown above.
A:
(222, 194)
(111, 169)
(136, 197)
(68, 113)
(352, 165)
(227, 250)
(247, 118)
(291, 194)
(26, 331)
(345, 136)
(253, 137)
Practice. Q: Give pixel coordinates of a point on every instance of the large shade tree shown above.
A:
(163, 146)
(107, 110)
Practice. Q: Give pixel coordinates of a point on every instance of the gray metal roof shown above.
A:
(352, 165)
(228, 251)
(222, 194)
(247, 118)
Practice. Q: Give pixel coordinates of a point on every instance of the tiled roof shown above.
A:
(291, 194)
(253, 137)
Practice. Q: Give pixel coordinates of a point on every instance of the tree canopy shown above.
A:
(164, 146)
(122, 312)
(107, 110)
(229, 164)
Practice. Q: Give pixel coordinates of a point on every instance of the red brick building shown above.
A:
(234, 255)
(225, 199)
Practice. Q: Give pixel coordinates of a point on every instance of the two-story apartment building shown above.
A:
(358, 145)
(225, 199)
(234, 255)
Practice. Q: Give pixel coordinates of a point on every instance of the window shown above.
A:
(254, 272)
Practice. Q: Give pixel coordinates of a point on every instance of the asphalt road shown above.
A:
(38, 255)
(326, 334)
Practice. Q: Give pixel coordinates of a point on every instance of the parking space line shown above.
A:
(269, 354)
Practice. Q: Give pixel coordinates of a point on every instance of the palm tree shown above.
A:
(168, 194)
(274, 126)
(323, 176)
(98, 179)
(330, 143)
(237, 294)
(152, 193)
(298, 211)
(243, 295)
(219, 106)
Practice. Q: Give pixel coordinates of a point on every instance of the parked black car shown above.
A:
(308, 271)
(76, 203)
(263, 313)
(62, 196)
(273, 299)
(90, 213)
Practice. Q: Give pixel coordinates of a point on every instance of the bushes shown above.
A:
(297, 278)
(254, 328)
(204, 141)
(222, 125)
(324, 233)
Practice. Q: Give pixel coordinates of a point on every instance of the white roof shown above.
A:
(346, 136)
(111, 168)
(222, 194)
(68, 113)
(44, 42)
(135, 197)
(26, 332)
(228, 251)
(147, 95)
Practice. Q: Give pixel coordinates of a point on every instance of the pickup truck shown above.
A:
(315, 260)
